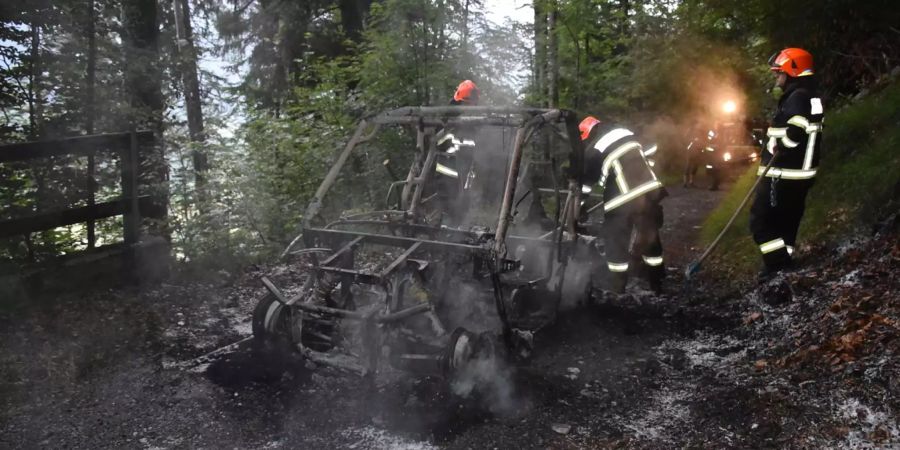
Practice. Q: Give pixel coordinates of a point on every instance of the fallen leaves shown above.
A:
(752, 317)
(843, 322)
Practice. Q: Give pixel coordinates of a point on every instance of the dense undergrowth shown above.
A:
(857, 183)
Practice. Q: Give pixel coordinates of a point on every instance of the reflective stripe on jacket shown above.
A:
(615, 159)
(449, 143)
(451, 146)
(796, 134)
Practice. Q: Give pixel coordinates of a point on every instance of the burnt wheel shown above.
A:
(270, 319)
(283, 326)
(271, 327)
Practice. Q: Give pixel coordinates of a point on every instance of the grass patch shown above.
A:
(858, 181)
(736, 254)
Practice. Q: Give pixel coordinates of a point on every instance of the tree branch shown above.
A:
(25, 92)
(6, 115)
(243, 8)
(863, 56)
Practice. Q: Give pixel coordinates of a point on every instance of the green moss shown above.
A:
(858, 179)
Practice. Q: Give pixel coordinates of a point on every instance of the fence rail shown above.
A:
(128, 147)
(80, 145)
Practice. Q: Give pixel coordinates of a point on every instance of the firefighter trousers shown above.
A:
(634, 227)
(690, 168)
(775, 217)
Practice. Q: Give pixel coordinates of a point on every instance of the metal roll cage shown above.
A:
(331, 250)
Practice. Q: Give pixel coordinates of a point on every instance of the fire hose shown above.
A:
(694, 267)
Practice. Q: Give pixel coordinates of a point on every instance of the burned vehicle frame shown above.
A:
(407, 319)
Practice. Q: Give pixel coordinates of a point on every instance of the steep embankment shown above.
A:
(858, 184)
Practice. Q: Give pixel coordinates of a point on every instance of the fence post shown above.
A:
(131, 220)
(92, 198)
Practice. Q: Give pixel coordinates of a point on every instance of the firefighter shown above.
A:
(456, 147)
(713, 165)
(631, 196)
(794, 141)
(693, 154)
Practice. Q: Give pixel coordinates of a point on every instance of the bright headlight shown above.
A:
(726, 156)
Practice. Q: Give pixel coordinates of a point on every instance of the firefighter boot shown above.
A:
(655, 277)
(716, 178)
(617, 282)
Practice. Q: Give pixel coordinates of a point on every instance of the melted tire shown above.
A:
(271, 340)
(268, 319)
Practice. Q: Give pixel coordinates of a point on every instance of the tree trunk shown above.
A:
(552, 55)
(620, 47)
(35, 108)
(584, 49)
(91, 70)
(426, 42)
(90, 110)
(465, 42)
(352, 14)
(187, 54)
(143, 76)
(624, 5)
(143, 79)
(284, 67)
(540, 51)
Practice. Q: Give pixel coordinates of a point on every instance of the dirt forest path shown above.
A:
(118, 369)
(685, 209)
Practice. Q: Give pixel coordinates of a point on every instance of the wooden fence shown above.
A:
(130, 147)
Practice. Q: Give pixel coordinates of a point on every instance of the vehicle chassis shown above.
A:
(524, 301)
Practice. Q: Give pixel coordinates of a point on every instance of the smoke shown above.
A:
(696, 91)
(489, 381)
(577, 281)
(470, 306)
(480, 203)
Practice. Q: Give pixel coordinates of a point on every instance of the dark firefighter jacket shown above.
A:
(702, 147)
(795, 134)
(613, 157)
(455, 148)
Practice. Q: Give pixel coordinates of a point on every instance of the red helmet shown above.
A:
(795, 62)
(587, 125)
(466, 92)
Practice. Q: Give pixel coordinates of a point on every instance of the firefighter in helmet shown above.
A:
(693, 153)
(794, 141)
(456, 151)
(701, 149)
(711, 159)
(631, 195)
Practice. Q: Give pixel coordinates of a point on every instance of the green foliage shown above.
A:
(13, 79)
(417, 51)
(862, 141)
(289, 154)
(854, 42)
(652, 59)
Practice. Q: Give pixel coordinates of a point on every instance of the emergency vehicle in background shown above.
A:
(737, 139)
